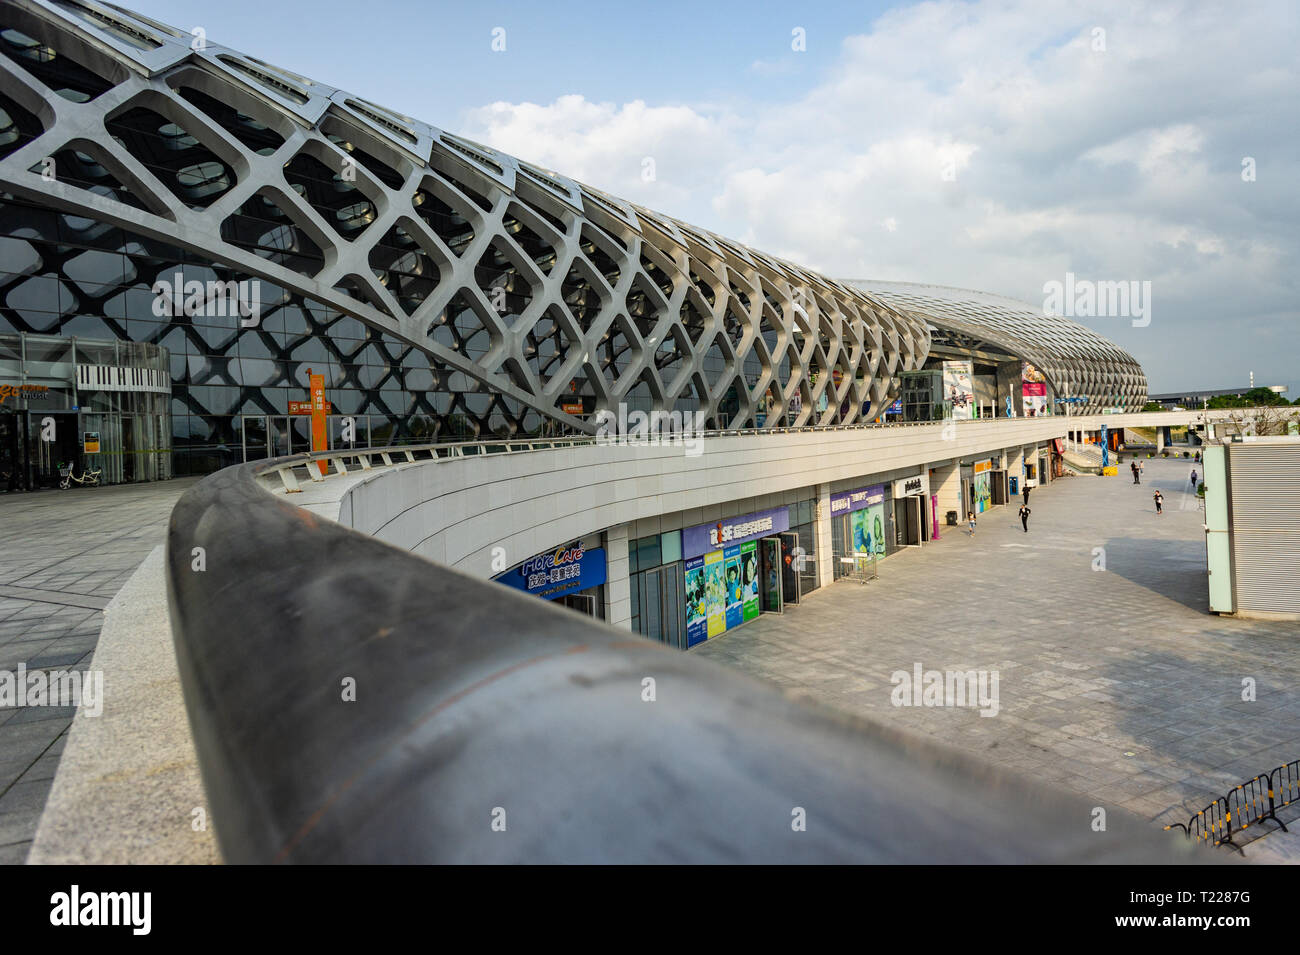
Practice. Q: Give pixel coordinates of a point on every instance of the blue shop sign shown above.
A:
(705, 538)
(556, 573)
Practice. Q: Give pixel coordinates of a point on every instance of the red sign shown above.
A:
(304, 407)
(1035, 389)
(571, 407)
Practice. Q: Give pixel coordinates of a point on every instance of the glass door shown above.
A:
(255, 438)
(792, 558)
(769, 550)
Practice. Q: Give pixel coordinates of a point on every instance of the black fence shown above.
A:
(1245, 805)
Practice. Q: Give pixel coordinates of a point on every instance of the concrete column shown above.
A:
(946, 484)
(825, 553)
(1160, 439)
(618, 599)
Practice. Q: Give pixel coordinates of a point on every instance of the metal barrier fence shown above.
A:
(351, 702)
(1245, 805)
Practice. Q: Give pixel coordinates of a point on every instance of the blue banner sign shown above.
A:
(703, 538)
(846, 501)
(556, 573)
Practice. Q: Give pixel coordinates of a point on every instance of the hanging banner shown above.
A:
(957, 388)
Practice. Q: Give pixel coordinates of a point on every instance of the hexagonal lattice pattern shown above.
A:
(517, 283)
(1072, 356)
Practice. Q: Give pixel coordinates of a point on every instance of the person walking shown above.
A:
(1141, 467)
(1193, 479)
(1024, 517)
(1025, 493)
(1133, 466)
(1160, 502)
(970, 518)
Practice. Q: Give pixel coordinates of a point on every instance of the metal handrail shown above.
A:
(538, 443)
(351, 702)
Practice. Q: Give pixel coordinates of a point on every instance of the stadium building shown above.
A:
(186, 233)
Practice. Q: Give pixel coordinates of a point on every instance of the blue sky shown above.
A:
(992, 144)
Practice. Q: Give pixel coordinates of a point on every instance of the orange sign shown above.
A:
(304, 407)
(319, 441)
(571, 407)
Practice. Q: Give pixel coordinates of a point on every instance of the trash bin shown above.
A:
(952, 518)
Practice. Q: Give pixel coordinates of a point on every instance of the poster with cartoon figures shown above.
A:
(735, 597)
(715, 591)
(749, 579)
(697, 610)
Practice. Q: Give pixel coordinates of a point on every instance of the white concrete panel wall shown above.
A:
(618, 598)
(456, 511)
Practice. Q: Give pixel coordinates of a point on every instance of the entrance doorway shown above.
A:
(791, 557)
(769, 560)
(909, 519)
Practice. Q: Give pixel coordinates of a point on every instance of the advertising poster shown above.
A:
(715, 593)
(1034, 388)
(869, 529)
(735, 595)
(697, 614)
(957, 389)
(749, 578)
(982, 471)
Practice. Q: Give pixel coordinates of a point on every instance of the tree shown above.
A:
(1153, 406)
(1265, 421)
(1263, 397)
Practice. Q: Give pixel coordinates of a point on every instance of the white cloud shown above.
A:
(1116, 164)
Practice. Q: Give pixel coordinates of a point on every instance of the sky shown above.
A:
(995, 145)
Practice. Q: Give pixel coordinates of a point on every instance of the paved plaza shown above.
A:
(63, 555)
(1117, 684)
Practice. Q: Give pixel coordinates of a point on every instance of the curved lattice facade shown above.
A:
(1075, 360)
(442, 286)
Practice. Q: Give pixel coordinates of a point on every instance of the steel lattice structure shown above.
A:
(518, 284)
(1075, 359)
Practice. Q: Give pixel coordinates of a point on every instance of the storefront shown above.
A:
(572, 576)
(737, 568)
(977, 487)
(860, 529)
(912, 520)
(71, 403)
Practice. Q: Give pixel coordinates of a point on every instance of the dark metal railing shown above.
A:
(351, 702)
(1246, 804)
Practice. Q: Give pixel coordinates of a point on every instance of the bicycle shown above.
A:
(88, 478)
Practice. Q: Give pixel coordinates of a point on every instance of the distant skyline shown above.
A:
(988, 145)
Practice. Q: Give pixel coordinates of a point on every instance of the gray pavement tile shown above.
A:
(1151, 672)
(15, 854)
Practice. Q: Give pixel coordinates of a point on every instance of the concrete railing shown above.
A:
(351, 702)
